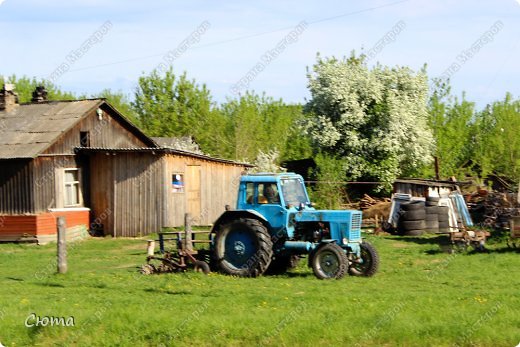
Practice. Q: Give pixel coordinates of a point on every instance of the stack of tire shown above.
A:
(444, 219)
(432, 215)
(412, 218)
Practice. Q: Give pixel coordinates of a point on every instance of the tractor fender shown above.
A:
(236, 214)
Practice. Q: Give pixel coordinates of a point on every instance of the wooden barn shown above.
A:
(83, 160)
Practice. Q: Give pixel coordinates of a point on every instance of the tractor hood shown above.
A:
(343, 224)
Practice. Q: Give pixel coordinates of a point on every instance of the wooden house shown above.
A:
(83, 160)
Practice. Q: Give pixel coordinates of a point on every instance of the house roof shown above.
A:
(28, 130)
(31, 128)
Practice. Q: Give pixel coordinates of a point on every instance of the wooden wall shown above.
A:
(48, 190)
(126, 193)
(134, 191)
(106, 133)
(218, 188)
(16, 187)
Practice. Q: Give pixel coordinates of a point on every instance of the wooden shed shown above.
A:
(83, 160)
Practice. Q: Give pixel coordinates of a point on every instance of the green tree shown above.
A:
(172, 106)
(453, 124)
(121, 102)
(328, 192)
(25, 86)
(497, 146)
(374, 120)
(263, 124)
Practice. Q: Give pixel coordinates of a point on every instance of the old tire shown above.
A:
(412, 224)
(243, 248)
(431, 218)
(444, 224)
(329, 261)
(432, 226)
(418, 232)
(370, 261)
(201, 266)
(443, 218)
(387, 227)
(432, 210)
(413, 215)
(281, 264)
(411, 206)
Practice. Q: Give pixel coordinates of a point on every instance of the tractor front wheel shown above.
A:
(243, 248)
(329, 261)
(369, 262)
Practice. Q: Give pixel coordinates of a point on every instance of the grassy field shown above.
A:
(420, 297)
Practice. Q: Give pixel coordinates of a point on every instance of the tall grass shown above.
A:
(420, 297)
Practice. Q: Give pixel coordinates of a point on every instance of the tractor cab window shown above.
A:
(293, 191)
(268, 193)
(250, 193)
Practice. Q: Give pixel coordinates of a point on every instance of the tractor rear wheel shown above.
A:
(329, 261)
(243, 248)
(370, 261)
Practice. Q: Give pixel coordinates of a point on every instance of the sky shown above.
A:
(221, 43)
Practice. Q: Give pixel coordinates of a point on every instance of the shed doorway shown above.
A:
(193, 192)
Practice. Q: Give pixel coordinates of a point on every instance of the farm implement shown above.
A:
(183, 257)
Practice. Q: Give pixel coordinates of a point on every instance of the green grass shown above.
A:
(420, 297)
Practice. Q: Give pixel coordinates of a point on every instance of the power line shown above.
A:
(240, 38)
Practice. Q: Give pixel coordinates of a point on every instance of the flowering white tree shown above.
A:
(266, 162)
(376, 119)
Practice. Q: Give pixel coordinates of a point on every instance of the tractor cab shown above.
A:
(285, 190)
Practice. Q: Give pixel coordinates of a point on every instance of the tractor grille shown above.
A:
(355, 230)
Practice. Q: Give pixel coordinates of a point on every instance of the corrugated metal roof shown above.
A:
(160, 150)
(29, 129)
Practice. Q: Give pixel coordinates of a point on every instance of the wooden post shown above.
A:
(188, 245)
(518, 194)
(151, 248)
(436, 162)
(62, 246)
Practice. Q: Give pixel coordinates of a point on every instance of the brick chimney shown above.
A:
(39, 95)
(8, 98)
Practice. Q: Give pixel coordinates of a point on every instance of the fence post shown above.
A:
(188, 245)
(151, 248)
(62, 246)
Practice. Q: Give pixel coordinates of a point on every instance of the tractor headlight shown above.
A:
(345, 240)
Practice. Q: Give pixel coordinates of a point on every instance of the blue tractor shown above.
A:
(274, 225)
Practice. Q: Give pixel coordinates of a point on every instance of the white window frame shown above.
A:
(77, 183)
